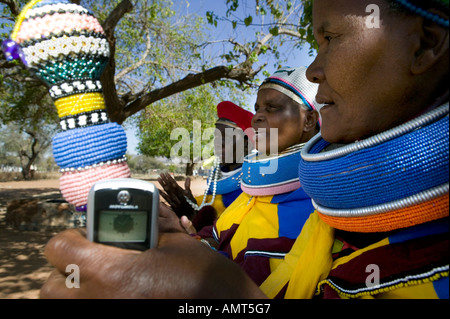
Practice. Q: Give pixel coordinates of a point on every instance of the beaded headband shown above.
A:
(66, 47)
(293, 83)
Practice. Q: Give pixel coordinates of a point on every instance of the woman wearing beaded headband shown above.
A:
(260, 226)
(379, 84)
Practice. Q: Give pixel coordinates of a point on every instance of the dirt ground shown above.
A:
(23, 267)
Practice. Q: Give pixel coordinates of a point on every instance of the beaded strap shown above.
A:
(80, 169)
(40, 11)
(90, 145)
(392, 180)
(84, 120)
(21, 17)
(211, 187)
(71, 68)
(272, 175)
(401, 217)
(377, 172)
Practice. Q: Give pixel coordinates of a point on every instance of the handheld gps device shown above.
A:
(123, 212)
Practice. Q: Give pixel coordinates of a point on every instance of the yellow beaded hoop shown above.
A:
(79, 103)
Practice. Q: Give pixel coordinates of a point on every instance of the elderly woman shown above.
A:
(223, 185)
(385, 191)
(259, 228)
(383, 233)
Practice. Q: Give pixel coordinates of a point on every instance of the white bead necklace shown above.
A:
(214, 175)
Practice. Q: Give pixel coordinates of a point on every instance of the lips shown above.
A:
(322, 99)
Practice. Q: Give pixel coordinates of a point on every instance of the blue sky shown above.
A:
(200, 7)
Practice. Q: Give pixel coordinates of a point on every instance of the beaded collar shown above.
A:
(218, 183)
(272, 175)
(396, 179)
(227, 182)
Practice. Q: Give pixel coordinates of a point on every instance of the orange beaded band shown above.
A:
(401, 218)
(79, 103)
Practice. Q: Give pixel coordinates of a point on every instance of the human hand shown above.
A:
(180, 267)
(174, 194)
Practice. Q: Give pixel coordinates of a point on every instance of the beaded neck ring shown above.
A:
(393, 180)
(273, 174)
(65, 46)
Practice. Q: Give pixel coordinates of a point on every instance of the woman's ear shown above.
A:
(434, 45)
(311, 119)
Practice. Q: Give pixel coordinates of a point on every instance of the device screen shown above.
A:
(122, 226)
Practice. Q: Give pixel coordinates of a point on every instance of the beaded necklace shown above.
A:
(214, 175)
(396, 179)
(271, 175)
(218, 183)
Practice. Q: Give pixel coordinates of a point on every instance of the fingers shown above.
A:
(56, 286)
(187, 184)
(72, 247)
(168, 221)
(187, 225)
(187, 191)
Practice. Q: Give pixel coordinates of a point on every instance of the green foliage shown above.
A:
(157, 44)
(274, 17)
(179, 112)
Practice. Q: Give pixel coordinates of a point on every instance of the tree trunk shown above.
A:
(190, 169)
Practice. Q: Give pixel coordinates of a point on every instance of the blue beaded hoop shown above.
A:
(90, 145)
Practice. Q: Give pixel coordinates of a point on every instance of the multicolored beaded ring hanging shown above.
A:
(65, 46)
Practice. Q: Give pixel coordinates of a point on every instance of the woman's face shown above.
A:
(274, 109)
(363, 70)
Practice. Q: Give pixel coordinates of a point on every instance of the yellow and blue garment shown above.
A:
(357, 234)
(228, 188)
(258, 231)
(412, 263)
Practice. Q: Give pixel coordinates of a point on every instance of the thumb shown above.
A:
(187, 225)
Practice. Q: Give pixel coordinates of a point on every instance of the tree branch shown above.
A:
(241, 73)
(138, 64)
(12, 5)
(114, 104)
(114, 17)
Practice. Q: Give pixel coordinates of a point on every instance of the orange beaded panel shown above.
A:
(400, 218)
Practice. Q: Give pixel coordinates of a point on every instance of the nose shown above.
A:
(258, 117)
(315, 73)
